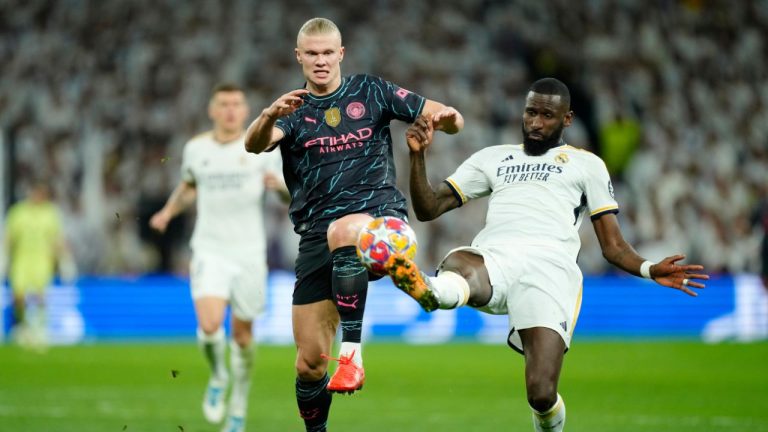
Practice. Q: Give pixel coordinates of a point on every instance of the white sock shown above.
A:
(552, 420)
(214, 347)
(451, 288)
(347, 348)
(37, 324)
(241, 361)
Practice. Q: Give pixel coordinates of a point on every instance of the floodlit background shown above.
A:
(100, 96)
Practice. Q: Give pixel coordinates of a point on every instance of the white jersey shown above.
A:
(534, 200)
(230, 195)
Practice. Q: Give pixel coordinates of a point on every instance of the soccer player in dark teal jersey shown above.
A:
(337, 161)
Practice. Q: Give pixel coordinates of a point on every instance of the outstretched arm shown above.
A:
(262, 133)
(428, 202)
(667, 272)
(444, 118)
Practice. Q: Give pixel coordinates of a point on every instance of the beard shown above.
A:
(534, 147)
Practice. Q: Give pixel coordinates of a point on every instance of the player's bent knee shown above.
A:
(243, 339)
(242, 332)
(472, 268)
(310, 371)
(344, 231)
(209, 327)
(542, 394)
(469, 265)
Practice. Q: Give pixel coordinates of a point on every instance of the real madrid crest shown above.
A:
(333, 116)
(561, 158)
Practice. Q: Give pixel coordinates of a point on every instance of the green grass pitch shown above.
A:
(607, 386)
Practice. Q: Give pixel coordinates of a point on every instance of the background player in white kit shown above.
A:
(523, 261)
(229, 263)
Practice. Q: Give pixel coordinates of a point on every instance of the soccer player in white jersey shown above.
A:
(229, 264)
(523, 262)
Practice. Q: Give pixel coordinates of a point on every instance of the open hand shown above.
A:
(287, 103)
(681, 277)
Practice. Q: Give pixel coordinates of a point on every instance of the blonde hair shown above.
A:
(316, 26)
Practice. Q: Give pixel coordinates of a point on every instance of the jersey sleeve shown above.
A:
(187, 173)
(284, 125)
(287, 125)
(599, 189)
(402, 104)
(469, 181)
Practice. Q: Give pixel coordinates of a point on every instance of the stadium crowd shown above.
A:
(100, 97)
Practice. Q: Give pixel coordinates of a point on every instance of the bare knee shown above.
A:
(544, 350)
(542, 393)
(310, 369)
(314, 327)
(343, 231)
(243, 338)
(209, 326)
(210, 314)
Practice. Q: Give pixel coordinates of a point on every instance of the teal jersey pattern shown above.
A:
(337, 152)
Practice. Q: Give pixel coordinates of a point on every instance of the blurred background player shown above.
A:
(229, 263)
(34, 245)
(523, 261)
(337, 149)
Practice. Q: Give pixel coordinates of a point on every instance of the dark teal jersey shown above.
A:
(337, 151)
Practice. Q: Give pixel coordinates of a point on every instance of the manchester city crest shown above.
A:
(333, 116)
(355, 110)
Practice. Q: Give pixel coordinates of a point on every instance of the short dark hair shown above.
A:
(226, 87)
(553, 86)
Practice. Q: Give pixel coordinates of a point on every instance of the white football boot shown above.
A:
(234, 424)
(214, 401)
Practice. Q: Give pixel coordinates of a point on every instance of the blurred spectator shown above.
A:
(619, 138)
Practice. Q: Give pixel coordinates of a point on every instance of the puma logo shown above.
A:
(352, 305)
(342, 303)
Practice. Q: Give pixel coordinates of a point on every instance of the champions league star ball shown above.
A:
(383, 237)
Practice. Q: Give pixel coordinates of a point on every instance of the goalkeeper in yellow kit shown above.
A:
(34, 245)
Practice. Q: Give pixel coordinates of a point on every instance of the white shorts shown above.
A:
(242, 284)
(535, 286)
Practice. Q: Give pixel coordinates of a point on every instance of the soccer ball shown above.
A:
(381, 238)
